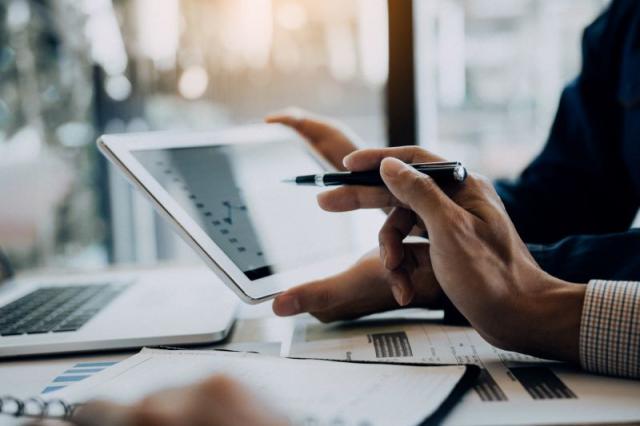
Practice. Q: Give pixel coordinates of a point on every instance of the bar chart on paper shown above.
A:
(76, 373)
(542, 383)
(505, 376)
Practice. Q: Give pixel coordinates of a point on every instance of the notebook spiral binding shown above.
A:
(36, 407)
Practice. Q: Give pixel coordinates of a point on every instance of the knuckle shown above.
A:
(347, 198)
(417, 152)
(484, 187)
(485, 183)
(354, 197)
(385, 232)
(479, 181)
(418, 185)
(340, 199)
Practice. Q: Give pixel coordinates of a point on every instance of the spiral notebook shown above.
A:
(320, 392)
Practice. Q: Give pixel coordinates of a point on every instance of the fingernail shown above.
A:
(391, 166)
(398, 294)
(287, 305)
(346, 160)
(383, 254)
(408, 297)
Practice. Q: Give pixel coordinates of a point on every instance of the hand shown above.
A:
(352, 293)
(477, 256)
(363, 289)
(217, 401)
(347, 198)
(332, 141)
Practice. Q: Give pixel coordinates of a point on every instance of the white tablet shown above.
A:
(224, 194)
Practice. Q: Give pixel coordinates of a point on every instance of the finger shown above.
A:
(292, 117)
(357, 291)
(221, 400)
(394, 230)
(370, 159)
(316, 296)
(348, 198)
(307, 124)
(333, 142)
(420, 193)
(401, 287)
(102, 413)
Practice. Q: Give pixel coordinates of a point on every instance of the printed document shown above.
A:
(311, 392)
(511, 389)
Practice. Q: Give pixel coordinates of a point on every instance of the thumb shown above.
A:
(418, 191)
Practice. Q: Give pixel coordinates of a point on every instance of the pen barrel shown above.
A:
(442, 174)
(368, 178)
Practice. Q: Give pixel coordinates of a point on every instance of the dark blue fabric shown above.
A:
(576, 201)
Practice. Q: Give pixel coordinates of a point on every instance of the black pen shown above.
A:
(442, 172)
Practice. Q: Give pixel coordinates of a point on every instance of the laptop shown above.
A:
(223, 193)
(113, 309)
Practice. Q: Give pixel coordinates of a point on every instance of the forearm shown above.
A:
(551, 322)
(595, 325)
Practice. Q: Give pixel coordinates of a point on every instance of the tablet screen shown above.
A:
(236, 195)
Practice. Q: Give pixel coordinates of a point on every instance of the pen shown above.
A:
(442, 172)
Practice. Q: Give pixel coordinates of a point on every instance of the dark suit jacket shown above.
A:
(575, 203)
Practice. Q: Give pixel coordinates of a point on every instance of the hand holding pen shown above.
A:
(442, 172)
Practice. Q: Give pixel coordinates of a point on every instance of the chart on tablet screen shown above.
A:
(236, 195)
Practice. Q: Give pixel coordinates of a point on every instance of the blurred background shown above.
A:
(487, 75)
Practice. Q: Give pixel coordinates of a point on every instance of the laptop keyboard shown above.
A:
(56, 309)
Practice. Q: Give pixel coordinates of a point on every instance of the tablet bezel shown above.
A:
(118, 149)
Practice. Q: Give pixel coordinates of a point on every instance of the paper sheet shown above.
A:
(512, 388)
(318, 392)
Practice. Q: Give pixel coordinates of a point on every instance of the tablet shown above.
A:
(224, 194)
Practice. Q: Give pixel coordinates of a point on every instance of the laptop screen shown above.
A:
(236, 194)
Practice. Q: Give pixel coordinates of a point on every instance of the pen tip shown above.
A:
(289, 180)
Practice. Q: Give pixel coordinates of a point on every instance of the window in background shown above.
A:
(489, 74)
(48, 202)
(208, 63)
(73, 69)
(204, 64)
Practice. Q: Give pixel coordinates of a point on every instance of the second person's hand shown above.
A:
(365, 288)
(216, 401)
(330, 139)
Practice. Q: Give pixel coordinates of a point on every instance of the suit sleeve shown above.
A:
(578, 184)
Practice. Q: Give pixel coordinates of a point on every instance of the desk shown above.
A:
(25, 378)
(256, 324)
